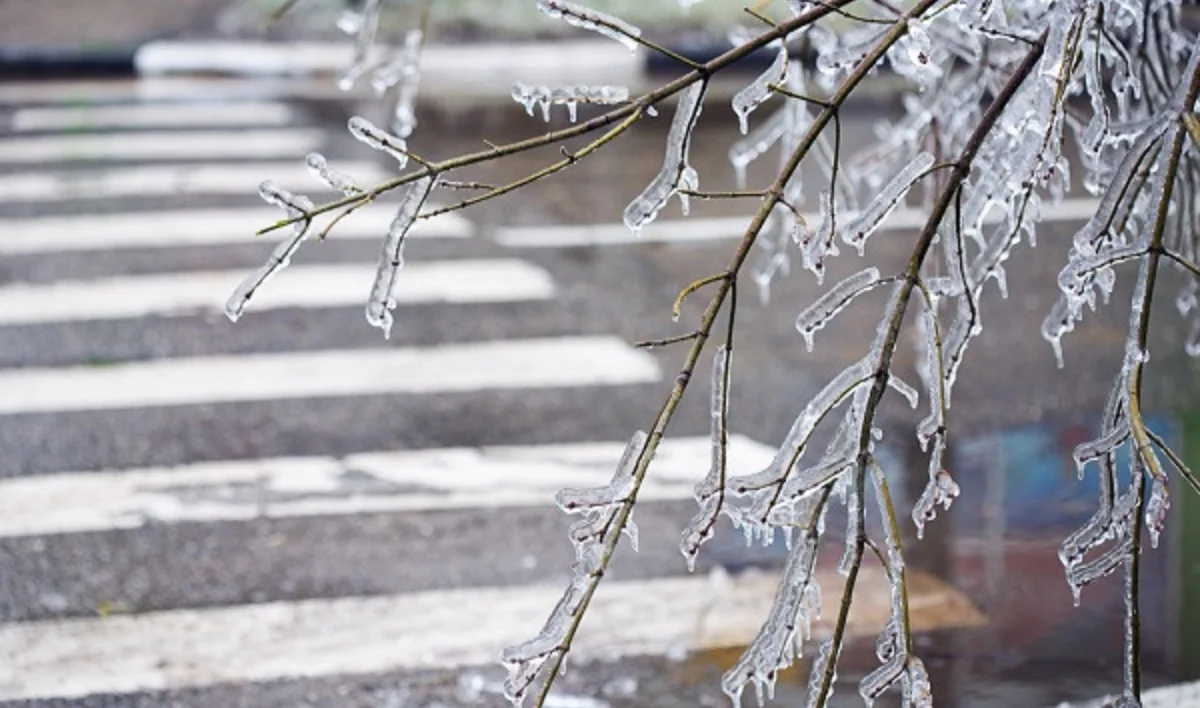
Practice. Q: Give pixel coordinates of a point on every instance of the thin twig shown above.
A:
(677, 306)
(651, 343)
(1176, 460)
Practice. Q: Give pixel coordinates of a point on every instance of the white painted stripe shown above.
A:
(163, 180)
(147, 145)
(151, 115)
(164, 229)
(506, 364)
(439, 629)
(315, 286)
(729, 228)
(486, 68)
(488, 477)
(182, 89)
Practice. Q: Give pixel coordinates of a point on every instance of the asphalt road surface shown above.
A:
(291, 510)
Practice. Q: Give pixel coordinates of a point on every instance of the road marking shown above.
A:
(312, 286)
(164, 229)
(167, 145)
(152, 115)
(441, 629)
(729, 228)
(180, 89)
(165, 180)
(418, 480)
(485, 68)
(495, 365)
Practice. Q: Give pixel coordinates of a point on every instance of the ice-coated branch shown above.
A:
(710, 493)
(759, 90)
(405, 70)
(365, 132)
(319, 167)
(600, 507)
(623, 112)
(380, 303)
(867, 222)
(297, 207)
(594, 20)
(820, 313)
(362, 24)
(676, 174)
(720, 297)
(780, 640)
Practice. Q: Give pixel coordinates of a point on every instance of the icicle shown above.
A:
(751, 97)
(380, 303)
(821, 312)
(941, 489)
(405, 70)
(774, 648)
(363, 25)
(365, 131)
(1056, 324)
(1156, 507)
(675, 170)
(773, 250)
(402, 67)
(758, 141)
(295, 206)
(1188, 298)
(913, 55)
(599, 507)
(589, 19)
(319, 168)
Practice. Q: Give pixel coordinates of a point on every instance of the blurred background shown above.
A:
(291, 510)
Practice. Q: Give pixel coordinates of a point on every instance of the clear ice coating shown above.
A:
(367, 133)
(676, 173)
(759, 90)
(941, 488)
(296, 207)
(570, 96)
(403, 70)
(835, 299)
(380, 303)
(599, 507)
(363, 25)
(594, 20)
(860, 228)
(708, 492)
(779, 641)
(319, 167)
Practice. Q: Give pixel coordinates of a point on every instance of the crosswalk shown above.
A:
(192, 505)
